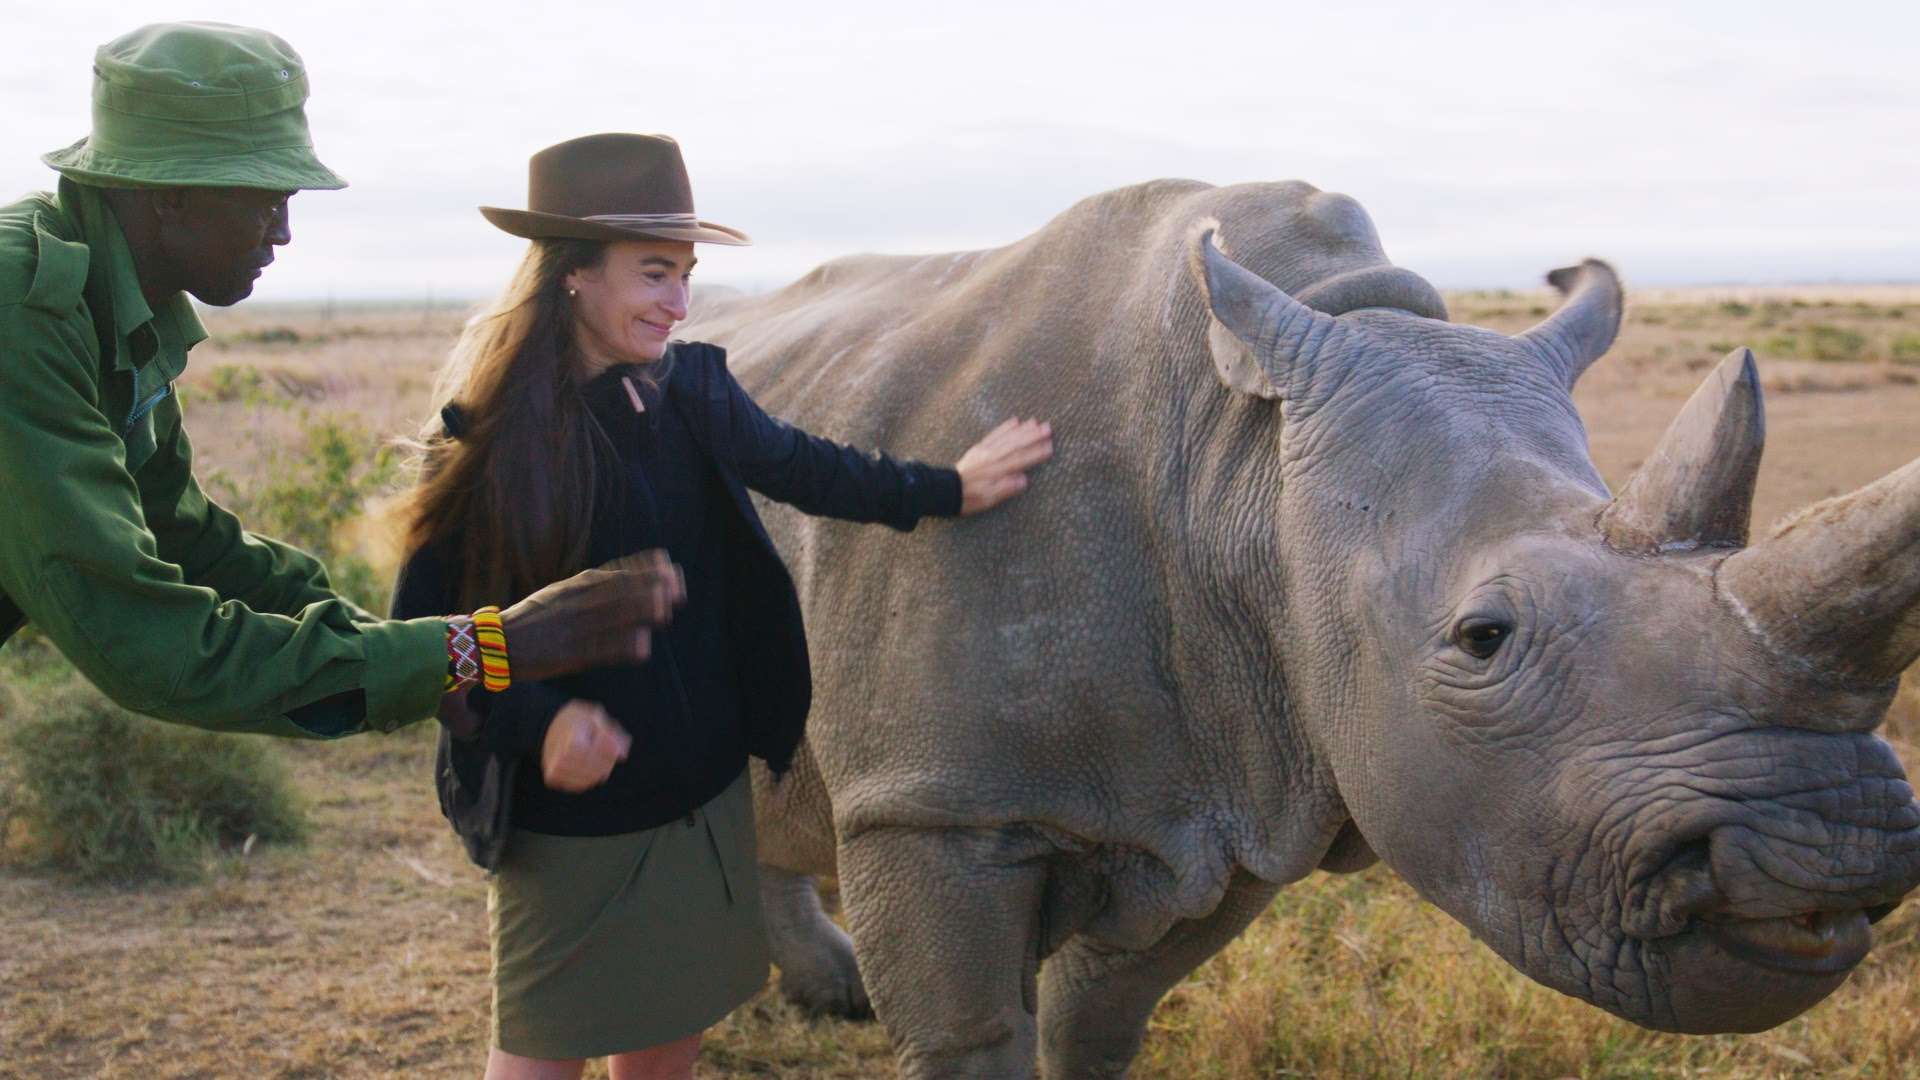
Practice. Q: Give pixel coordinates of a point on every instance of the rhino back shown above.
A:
(1029, 664)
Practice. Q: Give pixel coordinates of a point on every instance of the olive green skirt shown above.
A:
(605, 944)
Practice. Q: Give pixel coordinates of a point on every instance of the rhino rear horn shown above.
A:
(1839, 583)
(1588, 320)
(1259, 336)
(1696, 489)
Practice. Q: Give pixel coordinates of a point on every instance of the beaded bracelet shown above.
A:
(491, 634)
(463, 653)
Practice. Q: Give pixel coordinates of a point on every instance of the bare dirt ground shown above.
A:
(363, 953)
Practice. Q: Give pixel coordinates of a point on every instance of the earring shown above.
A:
(573, 293)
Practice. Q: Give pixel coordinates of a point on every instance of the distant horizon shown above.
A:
(761, 286)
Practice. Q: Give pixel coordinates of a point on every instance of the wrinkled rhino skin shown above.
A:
(1235, 631)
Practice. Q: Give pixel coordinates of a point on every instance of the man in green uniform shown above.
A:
(107, 544)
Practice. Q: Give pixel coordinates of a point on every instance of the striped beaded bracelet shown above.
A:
(491, 634)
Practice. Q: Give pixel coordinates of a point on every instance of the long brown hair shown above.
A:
(513, 494)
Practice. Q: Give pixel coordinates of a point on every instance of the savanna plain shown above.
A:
(330, 925)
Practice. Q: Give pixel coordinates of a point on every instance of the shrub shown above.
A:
(109, 796)
(268, 335)
(1905, 349)
(306, 498)
(231, 382)
(1835, 344)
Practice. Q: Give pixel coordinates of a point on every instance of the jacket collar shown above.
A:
(130, 330)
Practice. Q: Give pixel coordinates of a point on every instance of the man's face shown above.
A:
(219, 239)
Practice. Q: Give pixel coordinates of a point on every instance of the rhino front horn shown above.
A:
(1696, 489)
(1839, 584)
(1260, 337)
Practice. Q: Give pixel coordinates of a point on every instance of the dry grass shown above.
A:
(364, 954)
(1356, 977)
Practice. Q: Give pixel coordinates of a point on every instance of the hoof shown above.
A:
(836, 993)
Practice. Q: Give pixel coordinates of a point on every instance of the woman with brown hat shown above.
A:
(624, 902)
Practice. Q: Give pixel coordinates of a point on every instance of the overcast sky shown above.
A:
(1687, 142)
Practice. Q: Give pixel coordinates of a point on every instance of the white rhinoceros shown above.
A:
(1315, 575)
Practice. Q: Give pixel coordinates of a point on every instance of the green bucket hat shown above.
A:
(197, 104)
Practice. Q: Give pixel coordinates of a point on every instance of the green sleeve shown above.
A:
(208, 544)
(77, 557)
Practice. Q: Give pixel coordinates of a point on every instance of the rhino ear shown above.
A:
(1257, 334)
(1584, 327)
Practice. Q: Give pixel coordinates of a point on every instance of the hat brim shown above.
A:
(285, 168)
(534, 225)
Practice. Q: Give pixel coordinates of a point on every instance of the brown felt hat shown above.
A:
(610, 187)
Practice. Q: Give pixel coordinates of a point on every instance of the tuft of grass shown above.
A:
(91, 789)
(1905, 349)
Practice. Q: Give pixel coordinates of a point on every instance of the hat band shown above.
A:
(646, 221)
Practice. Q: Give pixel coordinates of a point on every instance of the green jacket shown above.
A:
(109, 547)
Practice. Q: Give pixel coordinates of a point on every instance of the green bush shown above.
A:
(90, 788)
(1836, 344)
(244, 384)
(268, 335)
(1905, 349)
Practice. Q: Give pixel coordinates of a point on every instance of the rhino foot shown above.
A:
(818, 973)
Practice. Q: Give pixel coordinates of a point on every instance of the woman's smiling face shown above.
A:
(624, 309)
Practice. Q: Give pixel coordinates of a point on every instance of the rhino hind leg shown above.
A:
(815, 958)
(1094, 1002)
(946, 925)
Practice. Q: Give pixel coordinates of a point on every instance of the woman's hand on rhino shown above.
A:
(595, 618)
(582, 746)
(994, 469)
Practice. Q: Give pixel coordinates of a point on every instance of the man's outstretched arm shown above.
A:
(77, 557)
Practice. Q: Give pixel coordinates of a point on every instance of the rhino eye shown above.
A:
(1481, 637)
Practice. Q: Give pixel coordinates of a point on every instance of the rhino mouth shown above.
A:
(1810, 943)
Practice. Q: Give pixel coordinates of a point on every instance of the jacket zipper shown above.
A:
(146, 406)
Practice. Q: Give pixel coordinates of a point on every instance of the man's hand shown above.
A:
(994, 469)
(595, 618)
(582, 747)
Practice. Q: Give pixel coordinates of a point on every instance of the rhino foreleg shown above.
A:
(946, 927)
(1094, 1002)
(817, 969)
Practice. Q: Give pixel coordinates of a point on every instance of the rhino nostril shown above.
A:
(1682, 889)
